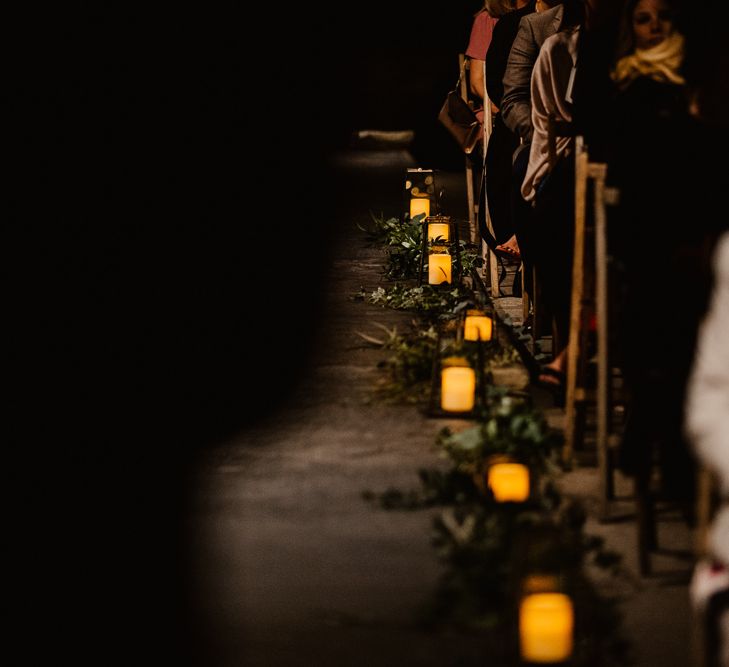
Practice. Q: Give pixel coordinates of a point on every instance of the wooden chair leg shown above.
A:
(578, 274)
(704, 510)
(580, 426)
(645, 518)
(491, 263)
(609, 479)
(598, 172)
(525, 303)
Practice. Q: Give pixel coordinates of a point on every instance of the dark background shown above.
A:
(161, 165)
(396, 65)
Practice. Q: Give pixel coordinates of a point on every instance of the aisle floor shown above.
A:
(295, 568)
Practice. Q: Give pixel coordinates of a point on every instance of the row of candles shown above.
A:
(438, 231)
(546, 618)
(458, 378)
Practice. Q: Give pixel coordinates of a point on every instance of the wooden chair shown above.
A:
(590, 286)
(604, 391)
(464, 64)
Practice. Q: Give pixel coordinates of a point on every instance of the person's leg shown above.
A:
(553, 219)
(510, 247)
(499, 155)
(522, 217)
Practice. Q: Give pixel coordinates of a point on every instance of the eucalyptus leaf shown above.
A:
(468, 439)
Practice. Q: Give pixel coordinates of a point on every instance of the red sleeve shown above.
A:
(481, 31)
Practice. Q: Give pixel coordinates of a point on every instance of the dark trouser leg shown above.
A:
(521, 217)
(499, 156)
(552, 243)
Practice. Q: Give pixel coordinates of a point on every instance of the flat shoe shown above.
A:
(505, 251)
(557, 389)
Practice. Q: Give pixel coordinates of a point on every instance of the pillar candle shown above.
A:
(509, 482)
(419, 205)
(477, 323)
(438, 229)
(439, 269)
(457, 389)
(546, 622)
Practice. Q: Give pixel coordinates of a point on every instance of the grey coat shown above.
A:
(516, 105)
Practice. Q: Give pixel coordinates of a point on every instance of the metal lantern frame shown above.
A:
(441, 353)
(480, 310)
(452, 247)
(420, 184)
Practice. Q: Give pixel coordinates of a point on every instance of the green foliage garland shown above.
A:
(403, 240)
(489, 549)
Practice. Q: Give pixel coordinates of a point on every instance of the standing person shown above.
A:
(661, 184)
(549, 188)
(534, 28)
(482, 30)
(502, 142)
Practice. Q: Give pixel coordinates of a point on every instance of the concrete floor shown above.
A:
(295, 568)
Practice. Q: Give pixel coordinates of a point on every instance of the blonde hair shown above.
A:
(497, 8)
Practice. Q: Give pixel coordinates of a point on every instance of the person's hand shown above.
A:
(494, 108)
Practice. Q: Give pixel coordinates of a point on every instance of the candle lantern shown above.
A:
(438, 229)
(440, 248)
(419, 206)
(420, 193)
(508, 481)
(440, 268)
(546, 622)
(478, 326)
(455, 381)
(457, 385)
(546, 628)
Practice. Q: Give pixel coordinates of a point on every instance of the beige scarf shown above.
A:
(660, 63)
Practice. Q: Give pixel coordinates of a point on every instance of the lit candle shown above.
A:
(457, 388)
(419, 205)
(439, 269)
(477, 326)
(509, 482)
(438, 229)
(546, 622)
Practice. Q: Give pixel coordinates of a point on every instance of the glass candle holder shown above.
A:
(546, 628)
(509, 482)
(438, 231)
(457, 385)
(439, 268)
(477, 326)
(419, 205)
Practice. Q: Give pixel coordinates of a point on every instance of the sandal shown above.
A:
(505, 251)
(557, 389)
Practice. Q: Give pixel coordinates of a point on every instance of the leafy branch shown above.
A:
(487, 549)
